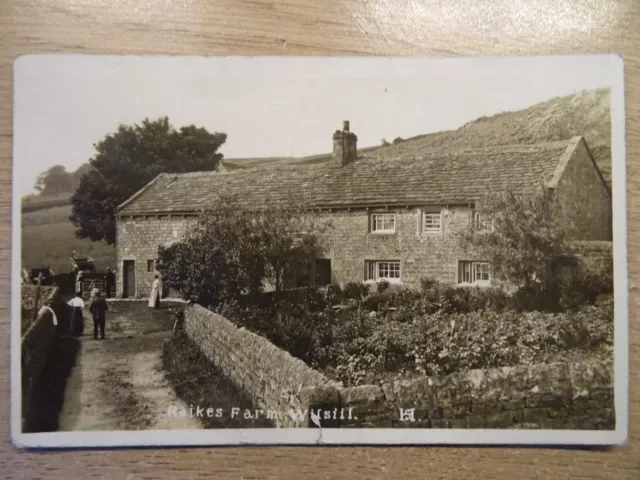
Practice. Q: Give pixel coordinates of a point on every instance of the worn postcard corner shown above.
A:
(292, 250)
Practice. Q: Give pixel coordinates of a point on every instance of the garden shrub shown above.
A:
(355, 291)
(382, 286)
(443, 343)
(435, 331)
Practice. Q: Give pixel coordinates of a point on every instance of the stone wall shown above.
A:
(36, 346)
(28, 295)
(551, 396)
(273, 379)
(559, 395)
(138, 239)
(29, 308)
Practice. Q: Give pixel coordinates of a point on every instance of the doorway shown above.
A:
(128, 278)
(323, 272)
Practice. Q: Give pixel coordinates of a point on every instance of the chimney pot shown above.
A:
(345, 125)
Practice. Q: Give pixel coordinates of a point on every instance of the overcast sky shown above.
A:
(271, 106)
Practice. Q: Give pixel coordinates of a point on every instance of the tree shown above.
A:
(398, 140)
(384, 142)
(127, 160)
(54, 181)
(519, 235)
(232, 251)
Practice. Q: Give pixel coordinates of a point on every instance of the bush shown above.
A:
(407, 332)
(577, 288)
(355, 291)
(451, 298)
(373, 346)
(382, 286)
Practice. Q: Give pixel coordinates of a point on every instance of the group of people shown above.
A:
(98, 309)
(98, 304)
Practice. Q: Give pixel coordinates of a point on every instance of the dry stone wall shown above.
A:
(36, 346)
(29, 308)
(552, 396)
(28, 296)
(558, 395)
(275, 381)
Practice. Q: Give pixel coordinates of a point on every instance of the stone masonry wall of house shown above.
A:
(595, 257)
(349, 244)
(348, 241)
(138, 239)
(584, 197)
(558, 395)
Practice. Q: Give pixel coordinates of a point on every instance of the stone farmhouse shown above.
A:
(393, 209)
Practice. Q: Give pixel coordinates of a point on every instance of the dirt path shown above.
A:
(118, 383)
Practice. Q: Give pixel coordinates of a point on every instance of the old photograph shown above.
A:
(318, 250)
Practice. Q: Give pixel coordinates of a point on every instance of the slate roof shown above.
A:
(396, 175)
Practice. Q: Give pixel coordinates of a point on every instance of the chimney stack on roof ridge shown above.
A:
(345, 146)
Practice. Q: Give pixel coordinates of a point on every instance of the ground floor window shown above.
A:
(151, 266)
(474, 272)
(388, 270)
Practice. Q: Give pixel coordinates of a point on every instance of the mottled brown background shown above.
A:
(312, 27)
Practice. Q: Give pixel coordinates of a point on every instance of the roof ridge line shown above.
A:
(564, 160)
(139, 192)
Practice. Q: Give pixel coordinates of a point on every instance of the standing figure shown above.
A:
(93, 291)
(156, 292)
(109, 282)
(98, 309)
(77, 320)
(79, 285)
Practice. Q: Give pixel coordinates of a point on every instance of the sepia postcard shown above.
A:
(318, 250)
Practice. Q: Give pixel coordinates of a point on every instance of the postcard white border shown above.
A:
(364, 436)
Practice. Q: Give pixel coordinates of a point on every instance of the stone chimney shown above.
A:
(345, 146)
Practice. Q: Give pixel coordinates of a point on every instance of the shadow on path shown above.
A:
(49, 394)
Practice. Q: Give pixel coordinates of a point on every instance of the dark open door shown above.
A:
(323, 272)
(129, 279)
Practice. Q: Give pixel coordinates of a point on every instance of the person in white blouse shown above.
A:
(77, 319)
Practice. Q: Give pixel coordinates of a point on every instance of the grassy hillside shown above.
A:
(48, 240)
(586, 113)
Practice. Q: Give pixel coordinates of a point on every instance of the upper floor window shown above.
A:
(383, 222)
(474, 272)
(151, 266)
(481, 223)
(432, 222)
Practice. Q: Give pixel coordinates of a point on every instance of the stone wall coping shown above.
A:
(51, 296)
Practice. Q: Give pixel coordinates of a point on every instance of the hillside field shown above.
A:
(48, 240)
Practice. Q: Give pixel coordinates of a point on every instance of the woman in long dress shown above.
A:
(77, 319)
(156, 293)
